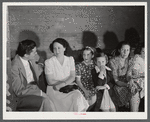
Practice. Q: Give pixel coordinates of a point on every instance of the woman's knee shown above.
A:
(77, 94)
(92, 100)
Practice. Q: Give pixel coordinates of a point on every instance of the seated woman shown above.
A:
(136, 76)
(119, 65)
(84, 77)
(103, 82)
(60, 72)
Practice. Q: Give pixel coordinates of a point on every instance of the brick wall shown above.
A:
(97, 24)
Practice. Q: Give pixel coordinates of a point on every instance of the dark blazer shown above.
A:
(100, 82)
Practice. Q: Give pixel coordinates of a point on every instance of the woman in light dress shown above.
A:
(60, 72)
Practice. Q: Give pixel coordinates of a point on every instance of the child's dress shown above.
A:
(101, 82)
(83, 70)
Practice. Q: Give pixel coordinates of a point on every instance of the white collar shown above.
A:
(25, 62)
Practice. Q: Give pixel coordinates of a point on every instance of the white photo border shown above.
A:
(67, 115)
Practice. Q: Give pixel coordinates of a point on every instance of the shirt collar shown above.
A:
(25, 62)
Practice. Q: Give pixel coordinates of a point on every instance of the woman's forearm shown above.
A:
(69, 80)
(51, 81)
(119, 83)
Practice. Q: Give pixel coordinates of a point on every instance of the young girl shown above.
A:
(84, 77)
(103, 82)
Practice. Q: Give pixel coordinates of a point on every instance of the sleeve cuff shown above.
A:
(78, 76)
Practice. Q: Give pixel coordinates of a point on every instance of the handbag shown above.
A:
(68, 88)
(106, 103)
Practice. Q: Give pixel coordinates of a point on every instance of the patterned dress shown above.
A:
(84, 71)
(136, 72)
(119, 73)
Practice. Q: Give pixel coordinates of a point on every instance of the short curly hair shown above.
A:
(61, 41)
(25, 47)
(101, 54)
(139, 48)
(119, 46)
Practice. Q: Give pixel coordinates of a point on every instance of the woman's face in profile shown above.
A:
(124, 51)
(58, 49)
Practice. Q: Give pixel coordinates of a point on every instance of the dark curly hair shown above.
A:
(61, 41)
(25, 47)
(100, 54)
(139, 48)
(119, 46)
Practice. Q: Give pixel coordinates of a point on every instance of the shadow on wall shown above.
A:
(28, 34)
(88, 39)
(74, 53)
(110, 41)
(132, 36)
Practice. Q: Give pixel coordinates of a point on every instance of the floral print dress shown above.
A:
(137, 82)
(83, 70)
(119, 73)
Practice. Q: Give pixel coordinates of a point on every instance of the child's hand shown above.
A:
(102, 69)
(107, 86)
(100, 87)
(102, 73)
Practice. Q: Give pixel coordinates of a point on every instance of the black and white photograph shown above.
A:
(74, 60)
